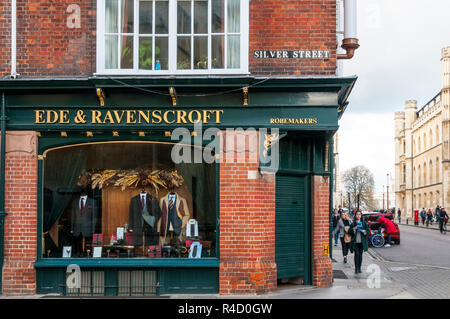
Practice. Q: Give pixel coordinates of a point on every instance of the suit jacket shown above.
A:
(83, 222)
(182, 210)
(136, 221)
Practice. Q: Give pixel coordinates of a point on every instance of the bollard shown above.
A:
(406, 221)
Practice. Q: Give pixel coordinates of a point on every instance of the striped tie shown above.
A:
(170, 203)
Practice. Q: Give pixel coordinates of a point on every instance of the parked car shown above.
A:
(372, 220)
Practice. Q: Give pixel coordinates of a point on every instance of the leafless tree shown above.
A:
(359, 181)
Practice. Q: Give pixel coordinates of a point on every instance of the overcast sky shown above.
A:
(399, 60)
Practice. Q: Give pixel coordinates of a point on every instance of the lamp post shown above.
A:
(387, 193)
(383, 197)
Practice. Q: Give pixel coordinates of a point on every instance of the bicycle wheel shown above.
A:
(378, 241)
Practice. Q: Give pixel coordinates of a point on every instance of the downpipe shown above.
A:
(350, 42)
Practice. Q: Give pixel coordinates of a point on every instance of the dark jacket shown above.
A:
(364, 240)
(335, 220)
(84, 222)
(137, 223)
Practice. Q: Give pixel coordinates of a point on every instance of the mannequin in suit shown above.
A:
(143, 209)
(84, 212)
(175, 215)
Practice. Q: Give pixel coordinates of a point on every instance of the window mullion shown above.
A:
(225, 36)
(172, 36)
(136, 36)
(119, 38)
(209, 35)
(153, 34)
(192, 34)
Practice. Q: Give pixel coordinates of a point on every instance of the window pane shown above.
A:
(111, 16)
(145, 53)
(127, 16)
(184, 17)
(217, 16)
(162, 17)
(184, 53)
(162, 53)
(111, 47)
(234, 49)
(145, 17)
(201, 17)
(233, 16)
(86, 217)
(126, 57)
(218, 51)
(200, 52)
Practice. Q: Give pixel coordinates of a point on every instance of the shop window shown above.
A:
(127, 200)
(172, 36)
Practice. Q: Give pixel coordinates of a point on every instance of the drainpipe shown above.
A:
(2, 184)
(350, 42)
(13, 74)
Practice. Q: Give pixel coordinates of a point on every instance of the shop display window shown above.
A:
(127, 200)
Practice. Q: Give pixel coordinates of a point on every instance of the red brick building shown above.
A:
(93, 92)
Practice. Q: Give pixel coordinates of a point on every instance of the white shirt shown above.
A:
(82, 198)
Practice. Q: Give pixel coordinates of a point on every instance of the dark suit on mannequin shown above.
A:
(137, 223)
(84, 219)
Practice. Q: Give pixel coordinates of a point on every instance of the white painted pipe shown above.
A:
(350, 20)
(13, 39)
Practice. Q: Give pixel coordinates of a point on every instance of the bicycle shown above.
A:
(377, 239)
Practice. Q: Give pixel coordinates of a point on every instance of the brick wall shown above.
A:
(293, 25)
(21, 222)
(247, 223)
(322, 266)
(46, 46)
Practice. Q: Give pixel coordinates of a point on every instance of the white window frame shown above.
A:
(172, 45)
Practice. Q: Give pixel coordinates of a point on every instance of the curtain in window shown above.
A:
(63, 172)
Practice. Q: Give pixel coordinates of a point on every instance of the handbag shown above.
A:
(347, 236)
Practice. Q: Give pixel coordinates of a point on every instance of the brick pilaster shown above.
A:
(19, 276)
(247, 221)
(322, 265)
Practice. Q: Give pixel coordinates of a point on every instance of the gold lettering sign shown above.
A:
(294, 121)
(116, 117)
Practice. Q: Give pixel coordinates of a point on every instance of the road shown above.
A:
(421, 262)
(419, 246)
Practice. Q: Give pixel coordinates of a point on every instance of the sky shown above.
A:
(399, 60)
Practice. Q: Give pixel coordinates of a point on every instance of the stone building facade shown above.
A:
(422, 137)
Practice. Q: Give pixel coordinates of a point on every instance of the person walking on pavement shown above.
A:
(443, 219)
(390, 228)
(359, 230)
(342, 231)
(429, 217)
(423, 215)
(437, 214)
(399, 216)
(335, 224)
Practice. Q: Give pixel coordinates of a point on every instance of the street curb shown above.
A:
(418, 226)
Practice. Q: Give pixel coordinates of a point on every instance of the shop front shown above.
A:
(136, 187)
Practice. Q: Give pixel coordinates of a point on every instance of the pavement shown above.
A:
(405, 222)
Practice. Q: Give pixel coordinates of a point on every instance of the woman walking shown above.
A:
(341, 230)
(359, 230)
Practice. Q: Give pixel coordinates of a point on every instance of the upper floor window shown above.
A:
(172, 37)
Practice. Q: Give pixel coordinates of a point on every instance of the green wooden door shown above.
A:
(290, 226)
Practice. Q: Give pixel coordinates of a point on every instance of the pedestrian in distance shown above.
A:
(335, 223)
(429, 217)
(359, 230)
(423, 215)
(341, 230)
(390, 228)
(437, 213)
(399, 216)
(443, 219)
